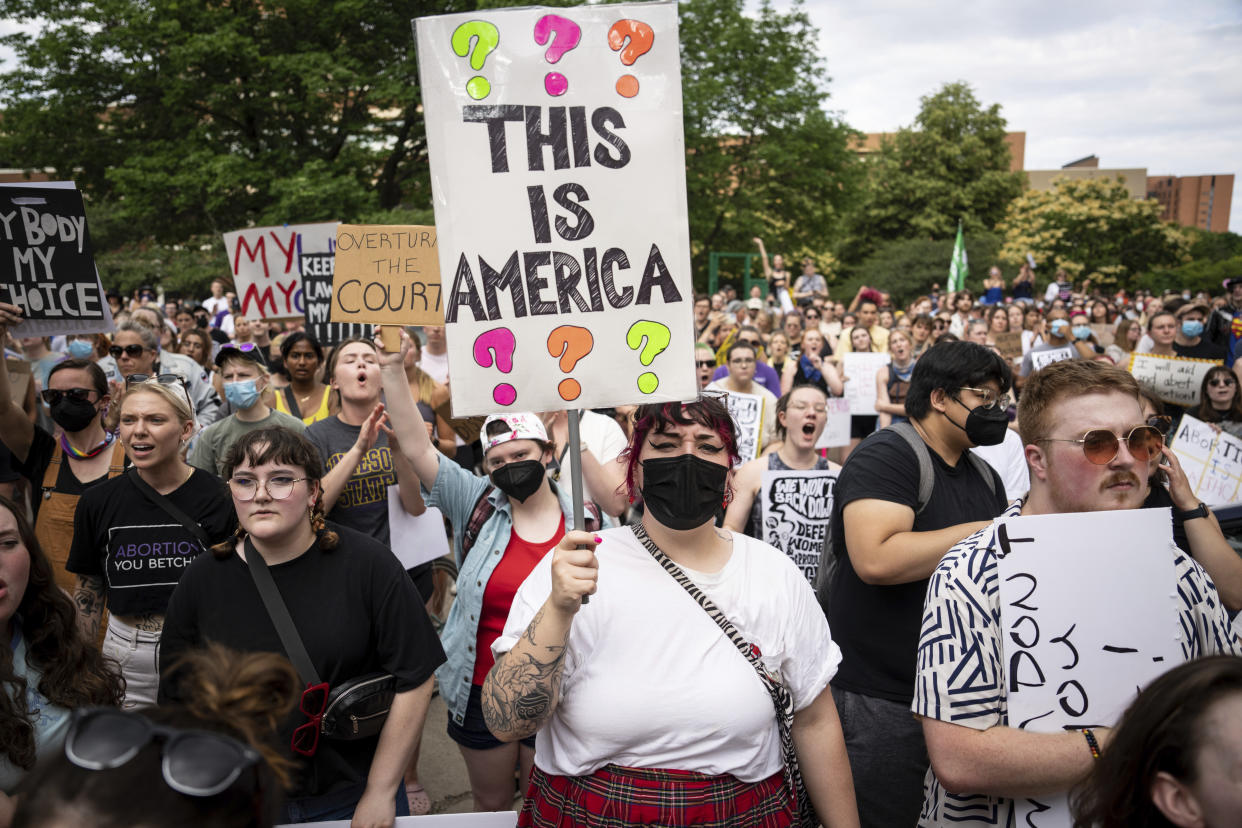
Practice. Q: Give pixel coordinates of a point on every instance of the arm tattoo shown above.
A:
(91, 596)
(523, 687)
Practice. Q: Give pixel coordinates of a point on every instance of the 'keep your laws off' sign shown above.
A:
(558, 177)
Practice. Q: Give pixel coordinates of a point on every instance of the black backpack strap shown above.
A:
(985, 470)
(927, 475)
(189, 524)
(483, 509)
(279, 613)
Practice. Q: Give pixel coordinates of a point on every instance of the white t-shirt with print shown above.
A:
(651, 680)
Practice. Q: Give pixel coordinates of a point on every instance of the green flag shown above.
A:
(958, 268)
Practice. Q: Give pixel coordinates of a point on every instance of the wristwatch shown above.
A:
(1200, 511)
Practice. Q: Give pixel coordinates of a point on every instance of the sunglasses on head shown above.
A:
(1101, 445)
(131, 351)
(51, 396)
(244, 347)
(195, 762)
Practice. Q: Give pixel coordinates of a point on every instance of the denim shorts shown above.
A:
(472, 733)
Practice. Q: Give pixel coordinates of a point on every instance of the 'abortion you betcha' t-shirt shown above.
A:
(139, 549)
(363, 504)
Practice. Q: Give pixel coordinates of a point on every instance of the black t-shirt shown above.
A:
(43, 447)
(363, 504)
(877, 627)
(1204, 350)
(139, 549)
(355, 610)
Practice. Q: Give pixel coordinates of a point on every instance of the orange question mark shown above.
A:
(641, 38)
(571, 344)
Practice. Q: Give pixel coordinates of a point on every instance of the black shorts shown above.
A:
(472, 733)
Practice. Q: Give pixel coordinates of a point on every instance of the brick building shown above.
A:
(1201, 201)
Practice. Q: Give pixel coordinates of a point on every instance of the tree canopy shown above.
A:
(1093, 229)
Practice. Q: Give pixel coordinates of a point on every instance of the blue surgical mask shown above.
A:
(242, 394)
(1192, 328)
(1058, 326)
(81, 349)
(1082, 332)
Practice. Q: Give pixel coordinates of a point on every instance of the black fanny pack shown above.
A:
(357, 708)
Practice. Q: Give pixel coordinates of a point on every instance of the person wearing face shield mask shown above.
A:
(245, 379)
(505, 523)
(642, 700)
(60, 469)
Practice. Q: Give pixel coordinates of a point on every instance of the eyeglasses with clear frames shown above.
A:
(278, 488)
(988, 397)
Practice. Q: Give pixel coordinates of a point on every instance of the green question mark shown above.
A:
(657, 338)
(486, 38)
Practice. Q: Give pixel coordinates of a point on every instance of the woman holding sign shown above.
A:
(656, 703)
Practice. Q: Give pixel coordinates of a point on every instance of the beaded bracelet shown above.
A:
(1094, 746)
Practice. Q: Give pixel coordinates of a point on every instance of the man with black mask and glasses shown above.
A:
(905, 496)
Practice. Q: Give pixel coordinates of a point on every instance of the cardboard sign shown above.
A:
(1212, 461)
(388, 275)
(837, 430)
(558, 178)
(860, 389)
(1104, 333)
(20, 376)
(747, 412)
(795, 507)
(1071, 659)
(1009, 344)
(1042, 359)
(317, 265)
(1175, 380)
(266, 263)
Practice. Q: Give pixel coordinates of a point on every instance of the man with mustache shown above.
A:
(1087, 447)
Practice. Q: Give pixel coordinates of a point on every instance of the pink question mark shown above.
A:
(564, 34)
(501, 343)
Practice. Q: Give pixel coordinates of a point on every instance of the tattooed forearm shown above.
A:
(91, 597)
(522, 690)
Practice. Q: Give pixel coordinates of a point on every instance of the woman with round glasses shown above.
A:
(1220, 401)
(47, 666)
(129, 546)
(354, 609)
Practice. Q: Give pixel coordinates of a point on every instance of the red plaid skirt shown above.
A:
(617, 797)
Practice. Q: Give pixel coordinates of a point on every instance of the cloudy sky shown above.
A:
(1140, 83)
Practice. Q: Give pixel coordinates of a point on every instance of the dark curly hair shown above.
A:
(73, 673)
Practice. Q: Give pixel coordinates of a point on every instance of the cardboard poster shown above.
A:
(20, 376)
(317, 266)
(1074, 661)
(1212, 461)
(1104, 333)
(747, 412)
(47, 263)
(860, 389)
(388, 275)
(1175, 380)
(837, 429)
(1009, 344)
(795, 507)
(558, 178)
(266, 263)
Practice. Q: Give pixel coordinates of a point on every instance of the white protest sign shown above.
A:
(1073, 660)
(747, 412)
(795, 507)
(1042, 359)
(1175, 380)
(267, 262)
(67, 302)
(558, 179)
(415, 539)
(1212, 461)
(861, 370)
(837, 430)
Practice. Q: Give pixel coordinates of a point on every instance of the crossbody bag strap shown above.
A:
(279, 614)
(189, 524)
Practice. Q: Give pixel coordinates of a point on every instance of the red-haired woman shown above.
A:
(649, 705)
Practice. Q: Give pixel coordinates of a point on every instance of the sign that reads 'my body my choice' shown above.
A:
(558, 177)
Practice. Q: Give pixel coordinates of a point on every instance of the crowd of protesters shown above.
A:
(196, 569)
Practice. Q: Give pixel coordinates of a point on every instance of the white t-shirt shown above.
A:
(1008, 457)
(651, 681)
(767, 423)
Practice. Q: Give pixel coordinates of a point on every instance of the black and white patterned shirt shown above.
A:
(961, 665)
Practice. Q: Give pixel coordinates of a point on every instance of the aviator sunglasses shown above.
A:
(1101, 445)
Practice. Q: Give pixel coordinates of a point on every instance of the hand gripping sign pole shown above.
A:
(575, 479)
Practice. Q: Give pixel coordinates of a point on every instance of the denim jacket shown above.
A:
(455, 492)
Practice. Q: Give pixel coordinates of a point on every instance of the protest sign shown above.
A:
(837, 430)
(20, 376)
(1212, 461)
(1042, 359)
(47, 264)
(1072, 660)
(266, 263)
(317, 264)
(795, 509)
(1173, 379)
(1009, 344)
(560, 202)
(747, 412)
(860, 388)
(389, 275)
(416, 539)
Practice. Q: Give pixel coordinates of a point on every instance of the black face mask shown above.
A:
(685, 491)
(985, 426)
(519, 480)
(73, 415)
